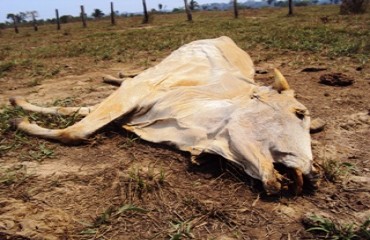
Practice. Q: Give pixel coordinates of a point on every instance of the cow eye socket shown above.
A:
(300, 114)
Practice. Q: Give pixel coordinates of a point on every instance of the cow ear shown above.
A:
(280, 84)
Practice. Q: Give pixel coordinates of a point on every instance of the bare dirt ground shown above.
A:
(117, 186)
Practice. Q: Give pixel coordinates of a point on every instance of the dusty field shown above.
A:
(119, 187)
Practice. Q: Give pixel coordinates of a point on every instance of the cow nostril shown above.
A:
(279, 156)
(300, 114)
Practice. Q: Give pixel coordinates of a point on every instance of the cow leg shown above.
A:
(118, 81)
(255, 161)
(124, 75)
(21, 102)
(112, 80)
(270, 177)
(115, 106)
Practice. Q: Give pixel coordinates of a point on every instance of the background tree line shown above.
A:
(30, 17)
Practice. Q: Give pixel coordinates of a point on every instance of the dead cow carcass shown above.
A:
(203, 99)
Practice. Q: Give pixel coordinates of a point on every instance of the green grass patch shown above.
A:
(329, 229)
(13, 175)
(28, 148)
(131, 42)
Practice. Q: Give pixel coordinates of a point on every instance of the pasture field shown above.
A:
(116, 186)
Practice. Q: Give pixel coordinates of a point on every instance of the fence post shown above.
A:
(112, 17)
(57, 17)
(146, 16)
(83, 16)
(236, 12)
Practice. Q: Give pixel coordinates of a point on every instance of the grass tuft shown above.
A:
(329, 229)
(13, 175)
(335, 170)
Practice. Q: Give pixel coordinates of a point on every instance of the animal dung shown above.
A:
(336, 79)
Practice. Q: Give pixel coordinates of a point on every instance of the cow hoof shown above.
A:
(298, 181)
(272, 187)
(70, 138)
(15, 122)
(197, 160)
(13, 101)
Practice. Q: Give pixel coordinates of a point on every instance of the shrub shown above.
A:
(353, 6)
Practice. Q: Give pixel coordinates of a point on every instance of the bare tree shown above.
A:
(21, 17)
(236, 12)
(14, 19)
(193, 5)
(188, 11)
(33, 15)
(146, 16)
(97, 13)
(354, 6)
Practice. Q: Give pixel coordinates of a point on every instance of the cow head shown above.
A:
(273, 131)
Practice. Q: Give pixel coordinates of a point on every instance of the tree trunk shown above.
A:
(188, 11)
(290, 4)
(15, 24)
(236, 12)
(112, 17)
(146, 16)
(35, 27)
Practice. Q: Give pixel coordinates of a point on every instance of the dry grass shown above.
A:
(130, 41)
(119, 187)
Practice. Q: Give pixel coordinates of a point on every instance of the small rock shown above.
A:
(315, 143)
(336, 79)
(364, 117)
(311, 219)
(288, 211)
(344, 126)
(326, 94)
(360, 179)
(351, 123)
(317, 125)
(362, 216)
(224, 237)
